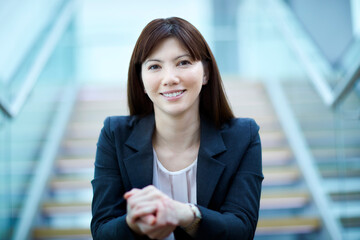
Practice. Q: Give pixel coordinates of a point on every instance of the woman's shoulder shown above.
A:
(237, 125)
(123, 122)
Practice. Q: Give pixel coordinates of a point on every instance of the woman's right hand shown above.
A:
(151, 212)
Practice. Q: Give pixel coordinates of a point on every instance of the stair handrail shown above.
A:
(330, 96)
(343, 87)
(56, 28)
(42, 172)
(304, 157)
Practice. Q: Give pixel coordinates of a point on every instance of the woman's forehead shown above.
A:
(169, 44)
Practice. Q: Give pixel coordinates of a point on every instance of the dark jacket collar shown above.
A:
(139, 165)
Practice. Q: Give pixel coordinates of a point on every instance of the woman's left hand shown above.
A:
(154, 213)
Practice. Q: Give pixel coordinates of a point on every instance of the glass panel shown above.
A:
(22, 137)
(334, 139)
(347, 191)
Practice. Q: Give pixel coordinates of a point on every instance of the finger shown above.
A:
(159, 232)
(144, 196)
(148, 219)
(150, 191)
(139, 212)
(160, 214)
(131, 193)
(136, 203)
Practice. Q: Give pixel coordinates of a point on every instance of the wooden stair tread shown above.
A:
(75, 163)
(283, 199)
(287, 225)
(281, 175)
(51, 208)
(49, 233)
(70, 183)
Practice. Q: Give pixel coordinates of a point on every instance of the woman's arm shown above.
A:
(237, 217)
(108, 205)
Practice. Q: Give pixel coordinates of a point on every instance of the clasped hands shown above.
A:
(151, 212)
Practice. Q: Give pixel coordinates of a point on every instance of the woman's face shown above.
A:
(172, 79)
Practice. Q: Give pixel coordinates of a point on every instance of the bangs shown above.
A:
(163, 30)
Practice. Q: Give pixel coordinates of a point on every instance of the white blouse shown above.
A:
(179, 185)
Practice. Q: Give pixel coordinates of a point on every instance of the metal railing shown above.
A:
(50, 36)
(44, 168)
(57, 27)
(304, 157)
(318, 70)
(330, 96)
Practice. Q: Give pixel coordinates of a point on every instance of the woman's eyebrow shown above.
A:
(158, 60)
(152, 60)
(184, 55)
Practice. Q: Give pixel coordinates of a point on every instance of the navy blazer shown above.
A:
(229, 177)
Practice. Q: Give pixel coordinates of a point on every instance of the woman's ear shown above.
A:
(205, 80)
(206, 72)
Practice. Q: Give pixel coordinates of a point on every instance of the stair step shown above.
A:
(323, 154)
(346, 196)
(284, 175)
(336, 171)
(346, 209)
(50, 208)
(70, 195)
(75, 165)
(342, 185)
(277, 156)
(70, 183)
(62, 233)
(350, 222)
(296, 225)
(283, 199)
(351, 234)
(273, 139)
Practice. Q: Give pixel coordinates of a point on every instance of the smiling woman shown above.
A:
(181, 166)
(173, 79)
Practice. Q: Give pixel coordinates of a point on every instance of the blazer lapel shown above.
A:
(209, 169)
(139, 164)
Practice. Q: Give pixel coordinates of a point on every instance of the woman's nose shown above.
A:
(171, 77)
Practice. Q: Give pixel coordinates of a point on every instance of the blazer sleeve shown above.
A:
(108, 205)
(238, 215)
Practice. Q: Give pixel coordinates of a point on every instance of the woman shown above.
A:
(180, 166)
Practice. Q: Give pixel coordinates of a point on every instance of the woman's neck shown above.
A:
(177, 133)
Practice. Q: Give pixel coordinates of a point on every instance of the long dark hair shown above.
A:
(213, 101)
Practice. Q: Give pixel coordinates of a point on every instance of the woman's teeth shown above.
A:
(174, 94)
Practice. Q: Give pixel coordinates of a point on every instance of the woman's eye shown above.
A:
(154, 67)
(184, 62)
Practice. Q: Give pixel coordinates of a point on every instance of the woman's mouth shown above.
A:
(173, 94)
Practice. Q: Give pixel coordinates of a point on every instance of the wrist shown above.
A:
(193, 226)
(133, 226)
(187, 215)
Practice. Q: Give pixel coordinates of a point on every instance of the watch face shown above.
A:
(196, 211)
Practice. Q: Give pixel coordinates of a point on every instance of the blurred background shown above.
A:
(292, 65)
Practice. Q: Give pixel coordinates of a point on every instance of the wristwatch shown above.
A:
(197, 217)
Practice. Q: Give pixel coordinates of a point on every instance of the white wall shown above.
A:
(108, 30)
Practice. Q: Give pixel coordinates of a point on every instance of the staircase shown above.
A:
(334, 139)
(287, 211)
(286, 208)
(66, 210)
